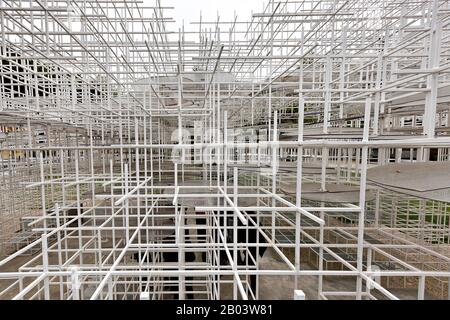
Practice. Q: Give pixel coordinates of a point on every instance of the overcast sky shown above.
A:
(189, 10)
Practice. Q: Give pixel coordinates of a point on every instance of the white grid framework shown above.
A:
(142, 160)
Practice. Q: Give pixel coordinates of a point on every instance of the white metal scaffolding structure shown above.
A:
(140, 160)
